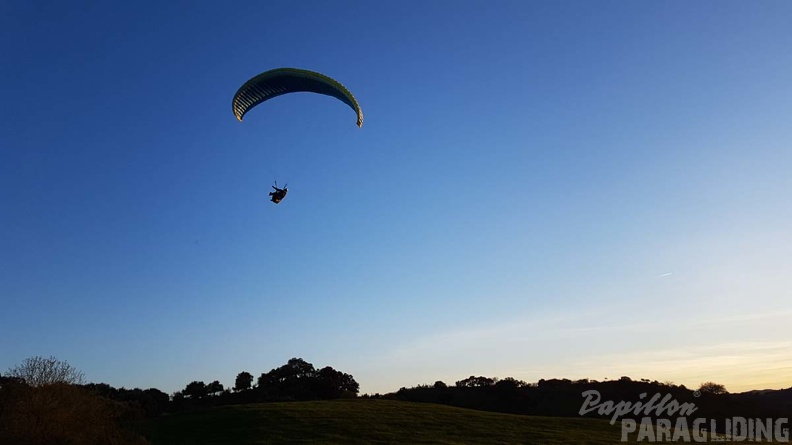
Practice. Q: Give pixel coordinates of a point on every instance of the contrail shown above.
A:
(664, 275)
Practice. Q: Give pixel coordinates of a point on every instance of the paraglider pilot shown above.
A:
(278, 195)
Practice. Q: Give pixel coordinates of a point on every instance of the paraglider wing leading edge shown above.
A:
(282, 81)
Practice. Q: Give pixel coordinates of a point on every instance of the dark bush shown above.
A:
(61, 413)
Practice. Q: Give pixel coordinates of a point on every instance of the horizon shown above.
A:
(229, 386)
(541, 189)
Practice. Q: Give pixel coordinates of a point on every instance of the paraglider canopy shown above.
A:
(280, 81)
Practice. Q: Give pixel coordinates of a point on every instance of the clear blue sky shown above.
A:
(540, 189)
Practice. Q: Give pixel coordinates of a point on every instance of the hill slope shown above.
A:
(371, 421)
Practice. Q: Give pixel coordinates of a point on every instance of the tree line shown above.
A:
(563, 397)
(294, 381)
(47, 401)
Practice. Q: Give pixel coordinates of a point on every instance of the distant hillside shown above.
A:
(779, 397)
(359, 421)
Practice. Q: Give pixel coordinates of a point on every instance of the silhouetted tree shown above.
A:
(152, 401)
(155, 402)
(553, 383)
(103, 389)
(178, 401)
(299, 380)
(332, 384)
(296, 368)
(37, 371)
(712, 388)
(266, 380)
(214, 388)
(195, 390)
(509, 383)
(440, 385)
(244, 380)
(474, 382)
(292, 381)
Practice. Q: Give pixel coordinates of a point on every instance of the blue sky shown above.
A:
(540, 189)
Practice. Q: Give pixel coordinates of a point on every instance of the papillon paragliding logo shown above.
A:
(656, 424)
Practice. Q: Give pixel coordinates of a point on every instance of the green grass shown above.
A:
(371, 422)
(364, 421)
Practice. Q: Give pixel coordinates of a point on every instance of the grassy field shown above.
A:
(372, 422)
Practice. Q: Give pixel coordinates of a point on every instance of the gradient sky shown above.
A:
(554, 189)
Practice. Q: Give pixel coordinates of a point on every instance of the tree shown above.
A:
(195, 390)
(299, 380)
(214, 388)
(38, 371)
(473, 382)
(295, 368)
(244, 380)
(154, 402)
(712, 388)
(266, 380)
(332, 384)
(554, 383)
(103, 389)
(292, 381)
(509, 383)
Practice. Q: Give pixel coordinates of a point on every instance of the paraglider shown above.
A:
(278, 195)
(280, 81)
